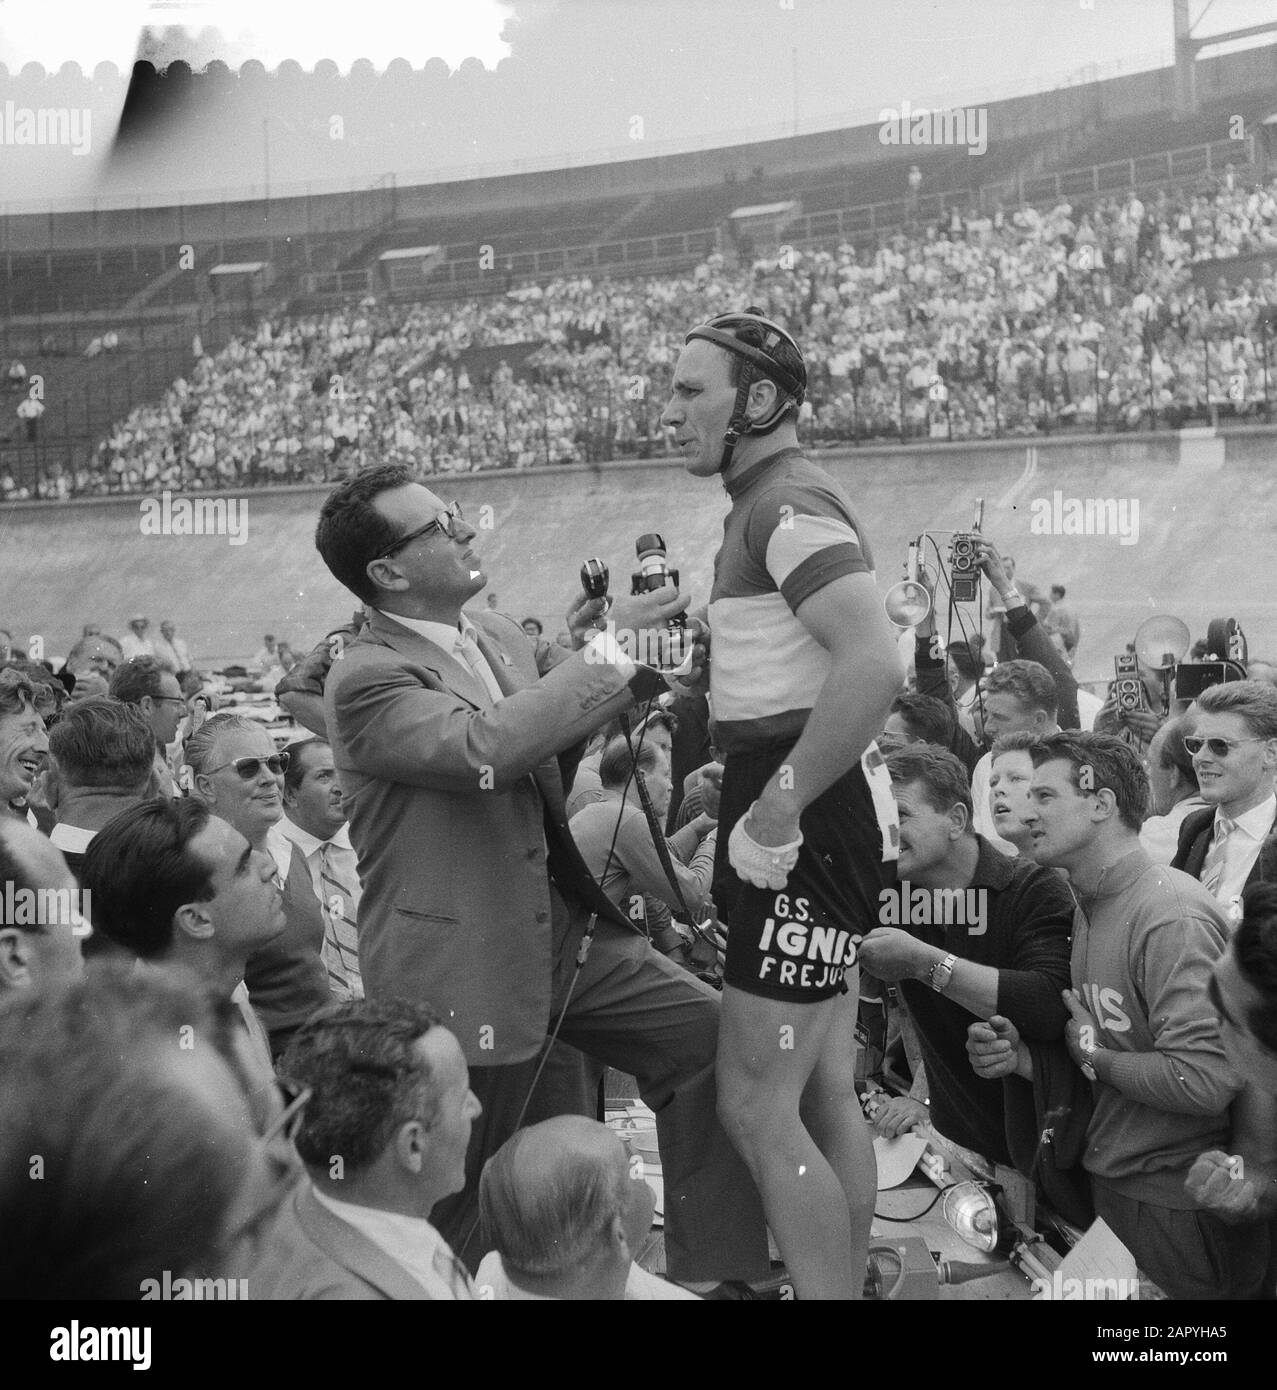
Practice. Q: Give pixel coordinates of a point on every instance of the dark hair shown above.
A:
(101, 742)
(616, 766)
(296, 773)
(1057, 590)
(1113, 766)
(139, 1172)
(940, 774)
(927, 718)
(140, 869)
(351, 532)
(536, 623)
(1255, 943)
(139, 676)
(1254, 701)
(1171, 752)
(358, 1060)
(966, 657)
(1028, 681)
(17, 691)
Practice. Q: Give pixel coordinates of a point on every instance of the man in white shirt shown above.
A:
(135, 642)
(1234, 749)
(566, 1212)
(1174, 795)
(315, 824)
(383, 1135)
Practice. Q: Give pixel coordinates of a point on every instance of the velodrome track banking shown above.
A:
(1205, 542)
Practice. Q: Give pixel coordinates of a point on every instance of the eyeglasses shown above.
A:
(1219, 747)
(169, 699)
(248, 768)
(446, 521)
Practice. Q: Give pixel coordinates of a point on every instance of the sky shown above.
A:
(574, 74)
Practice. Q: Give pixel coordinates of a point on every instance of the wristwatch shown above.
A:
(1088, 1063)
(939, 974)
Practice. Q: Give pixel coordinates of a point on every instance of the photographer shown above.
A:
(1135, 727)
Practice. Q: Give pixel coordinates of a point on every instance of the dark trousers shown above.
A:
(637, 1011)
(1187, 1254)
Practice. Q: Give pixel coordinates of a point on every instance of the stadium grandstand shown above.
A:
(1105, 267)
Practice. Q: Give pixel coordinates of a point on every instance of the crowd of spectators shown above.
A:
(226, 864)
(1002, 323)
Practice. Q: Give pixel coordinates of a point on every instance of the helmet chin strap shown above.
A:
(740, 423)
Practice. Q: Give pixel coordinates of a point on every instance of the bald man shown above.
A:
(567, 1211)
(40, 923)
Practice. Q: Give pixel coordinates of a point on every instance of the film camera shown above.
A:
(909, 602)
(1160, 644)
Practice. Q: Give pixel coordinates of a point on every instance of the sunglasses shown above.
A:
(248, 768)
(445, 521)
(1219, 747)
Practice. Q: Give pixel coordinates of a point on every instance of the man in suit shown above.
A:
(1234, 750)
(446, 735)
(240, 778)
(383, 1134)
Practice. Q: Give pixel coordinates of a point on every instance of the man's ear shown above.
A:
(205, 789)
(410, 1144)
(386, 575)
(195, 921)
(618, 1242)
(14, 971)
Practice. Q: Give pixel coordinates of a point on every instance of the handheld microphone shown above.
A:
(595, 578)
(654, 573)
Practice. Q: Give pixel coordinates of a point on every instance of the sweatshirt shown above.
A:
(1144, 945)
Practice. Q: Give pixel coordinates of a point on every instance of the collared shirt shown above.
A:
(253, 1026)
(343, 870)
(1242, 847)
(70, 839)
(310, 847)
(450, 637)
(409, 1240)
(1159, 835)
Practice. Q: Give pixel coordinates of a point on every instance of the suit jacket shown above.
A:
(287, 979)
(1195, 836)
(453, 804)
(311, 1253)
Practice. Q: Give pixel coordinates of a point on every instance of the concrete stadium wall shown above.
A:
(1207, 524)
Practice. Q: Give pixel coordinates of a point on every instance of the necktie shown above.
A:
(468, 650)
(1213, 864)
(341, 940)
